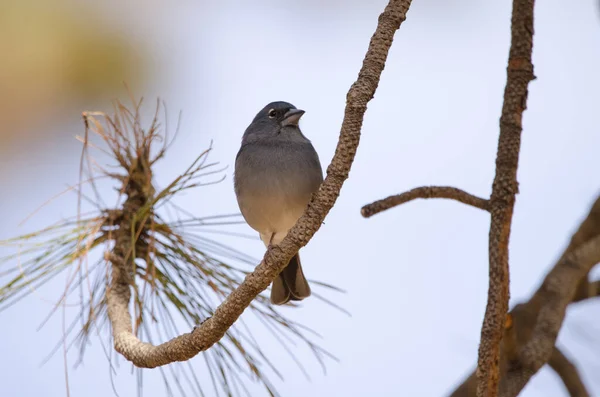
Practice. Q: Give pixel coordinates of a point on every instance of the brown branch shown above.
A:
(525, 316)
(587, 290)
(212, 330)
(589, 228)
(568, 373)
(468, 388)
(504, 189)
(502, 200)
(424, 192)
(556, 292)
(510, 345)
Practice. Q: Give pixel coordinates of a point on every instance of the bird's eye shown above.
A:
(272, 113)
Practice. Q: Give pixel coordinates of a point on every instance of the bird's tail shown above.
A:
(290, 284)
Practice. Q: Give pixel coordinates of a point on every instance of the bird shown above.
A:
(277, 170)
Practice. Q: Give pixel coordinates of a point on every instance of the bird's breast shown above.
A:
(274, 183)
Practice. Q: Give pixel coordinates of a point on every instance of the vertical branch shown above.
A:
(504, 189)
(527, 346)
(556, 292)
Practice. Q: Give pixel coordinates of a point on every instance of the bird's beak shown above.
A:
(292, 117)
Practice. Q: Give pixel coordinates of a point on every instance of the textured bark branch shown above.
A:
(525, 316)
(559, 289)
(424, 192)
(556, 292)
(212, 330)
(502, 200)
(568, 374)
(504, 189)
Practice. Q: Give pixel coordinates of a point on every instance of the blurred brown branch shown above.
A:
(129, 246)
(587, 290)
(502, 200)
(568, 373)
(529, 340)
(558, 362)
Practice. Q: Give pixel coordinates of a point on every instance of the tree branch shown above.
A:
(212, 330)
(424, 192)
(502, 200)
(525, 316)
(568, 373)
(556, 292)
(587, 290)
(504, 189)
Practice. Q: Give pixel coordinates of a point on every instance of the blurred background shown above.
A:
(416, 276)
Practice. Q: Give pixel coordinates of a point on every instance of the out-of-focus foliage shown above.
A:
(53, 54)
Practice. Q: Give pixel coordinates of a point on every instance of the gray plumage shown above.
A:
(276, 171)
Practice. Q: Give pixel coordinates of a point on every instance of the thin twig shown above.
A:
(212, 330)
(504, 189)
(568, 373)
(424, 192)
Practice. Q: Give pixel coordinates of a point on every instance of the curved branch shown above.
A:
(524, 316)
(556, 292)
(424, 192)
(559, 289)
(568, 373)
(212, 330)
(504, 189)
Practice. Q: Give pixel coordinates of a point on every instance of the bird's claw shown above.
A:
(201, 322)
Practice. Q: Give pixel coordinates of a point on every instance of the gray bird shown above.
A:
(276, 171)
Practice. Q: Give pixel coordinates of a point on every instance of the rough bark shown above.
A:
(210, 331)
(557, 291)
(424, 192)
(502, 200)
(530, 335)
(504, 189)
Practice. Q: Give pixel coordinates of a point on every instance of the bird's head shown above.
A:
(274, 119)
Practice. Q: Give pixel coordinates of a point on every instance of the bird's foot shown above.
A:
(201, 322)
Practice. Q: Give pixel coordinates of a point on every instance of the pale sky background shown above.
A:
(416, 276)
